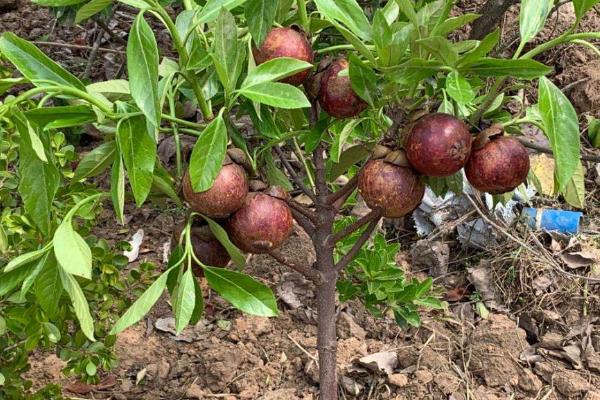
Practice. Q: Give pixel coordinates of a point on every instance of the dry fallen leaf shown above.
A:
(542, 166)
(455, 294)
(579, 259)
(385, 361)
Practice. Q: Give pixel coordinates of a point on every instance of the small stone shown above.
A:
(424, 376)
(593, 363)
(570, 383)
(195, 392)
(351, 386)
(348, 328)
(399, 380)
(163, 369)
(529, 382)
(592, 396)
(552, 341)
(447, 383)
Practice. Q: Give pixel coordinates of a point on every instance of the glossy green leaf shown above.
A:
(208, 154)
(211, 10)
(575, 189)
(10, 280)
(459, 88)
(349, 13)
(142, 305)
(225, 49)
(486, 45)
(139, 154)
(142, 66)
(141, 4)
(198, 56)
(7, 83)
(276, 94)
(221, 234)
(533, 17)
(524, 69)
(80, 304)
(116, 86)
(61, 116)
(96, 161)
(382, 36)
(260, 15)
(341, 138)
(274, 70)
(441, 48)
(39, 266)
(117, 188)
(562, 128)
(363, 80)
(57, 3)
(184, 300)
(39, 180)
(451, 24)
(583, 6)
(348, 158)
(90, 9)
(72, 252)
(35, 65)
(48, 287)
(242, 291)
(25, 259)
(199, 304)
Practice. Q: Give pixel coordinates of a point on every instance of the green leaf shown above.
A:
(260, 15)
(39, 180)
(91, 369)
(33, 64)
(524, 69)
(212, 8)
(57, 3)
(363, 80)
(184, 300)
(575, 189)
(139, 154)
(340, 139)
(116, 86)
(141, 4)
(275, 176)
(96, 161)
(459, 88)
(451, 24)
(48, 288)
(10, 280)
(2, 332)
(7, 83)
(594, 131)
(90, 9)
(583, 6)
(72, 252)
(276, 94)
(117, 188)
(407, 7)
(349, 13)
(80, 304)
(533, 17)
(166, 187)
(275, 69)
(430, 302)
(221, 234)
(348, 158)
(25, 259)
(142, 305)
(225, 49)
(208, 154)
(199, 306)
(485, 46)
(29, 281)
(441, 48)
(61, 116)
(562, 128)
(242, 291)
(142, 66)
(382, 36)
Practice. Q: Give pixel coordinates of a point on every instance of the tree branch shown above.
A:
(338, 198)
(308, 226)
(293, 174)
(546, 150)
(491, 16)
(356, 225)
(308, 271)
(343, 263)
(319, 161)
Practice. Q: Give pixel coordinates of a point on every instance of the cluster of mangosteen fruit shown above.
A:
(437, 145)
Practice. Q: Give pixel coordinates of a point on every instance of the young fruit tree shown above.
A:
(302, 109)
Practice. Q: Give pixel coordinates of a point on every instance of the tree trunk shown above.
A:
(491, 16)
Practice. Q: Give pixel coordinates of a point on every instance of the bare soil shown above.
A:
(540, 341)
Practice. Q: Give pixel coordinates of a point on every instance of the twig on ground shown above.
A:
(298, 345)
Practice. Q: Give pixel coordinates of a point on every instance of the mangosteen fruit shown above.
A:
(225, 197)
(498, 166)
(286, 42)
(438, 145)
(262, 224)
(395, 190)
(206, 247)
(336, 95)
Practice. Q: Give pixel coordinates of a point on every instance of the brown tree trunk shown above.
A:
(491, 16)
